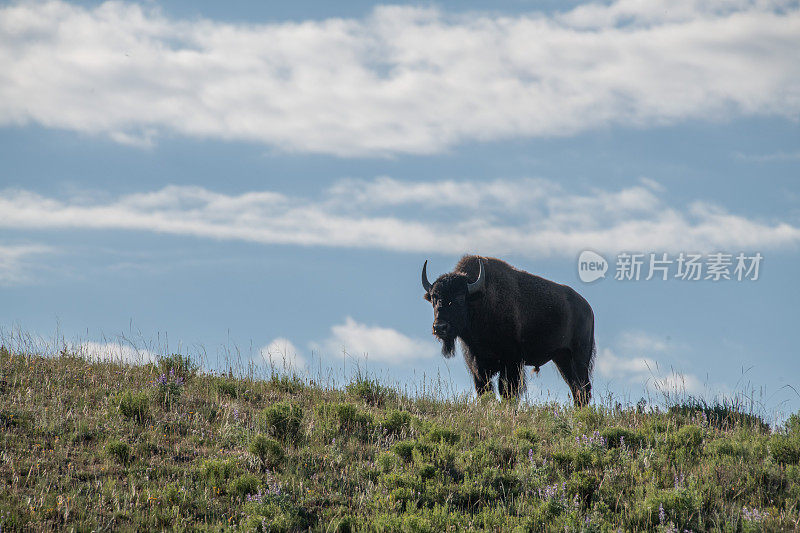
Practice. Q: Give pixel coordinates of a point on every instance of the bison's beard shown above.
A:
(449, 347)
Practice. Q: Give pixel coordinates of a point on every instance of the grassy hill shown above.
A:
(104, 446)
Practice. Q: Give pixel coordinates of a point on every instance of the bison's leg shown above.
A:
(576, 375)
(481, 375)
(511, 381)
(483, 383)
(584, 389)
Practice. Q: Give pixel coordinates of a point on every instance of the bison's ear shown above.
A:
(427, 296)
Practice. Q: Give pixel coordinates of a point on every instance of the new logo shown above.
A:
(591, 266)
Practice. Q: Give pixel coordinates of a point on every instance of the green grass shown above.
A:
(103, 446)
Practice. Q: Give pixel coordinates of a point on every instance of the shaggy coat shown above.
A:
(514, 319)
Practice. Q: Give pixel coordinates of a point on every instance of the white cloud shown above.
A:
(613, 366)
(533, 218)
(638, 357)
(112, 351)
(15, 264)
(678, 383)
(385, 191)
(281, 352)
(642, 342)
(401, 80)
(379, 344)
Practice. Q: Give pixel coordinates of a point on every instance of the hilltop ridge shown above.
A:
(103, 445)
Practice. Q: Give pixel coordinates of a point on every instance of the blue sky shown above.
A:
(269, 178)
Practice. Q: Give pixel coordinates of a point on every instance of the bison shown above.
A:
(507, 318)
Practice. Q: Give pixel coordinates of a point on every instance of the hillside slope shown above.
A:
(104, 446)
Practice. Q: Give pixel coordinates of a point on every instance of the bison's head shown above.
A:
(448, 295)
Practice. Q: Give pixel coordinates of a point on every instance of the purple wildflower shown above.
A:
(595, 439)
(752, 515)
(548, 492)
(258, 497)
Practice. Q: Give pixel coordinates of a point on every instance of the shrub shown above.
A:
(442, 434)
(404, 450)
(285, 383)
(346, 416)
(243, 485)
(722, 416)
(278, 518)
(386, 462)
(616, 437)
(572, 460)
(689, 438)
(411, 523)
(488, 454)
(268, 451)
(216, 472)
(680, 507)
(590, 417)
(526, 434)
(426, 471)
(486, 399)
(283, 420)
(583, 485)
(370, 391)
(396, 421)
(728, 447)
(785, 449)
(793, 424)
(118, 450)
(228, 387)
(134, 406)
(179, 365)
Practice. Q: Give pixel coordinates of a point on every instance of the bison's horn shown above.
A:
(477, 285)
(425, 283)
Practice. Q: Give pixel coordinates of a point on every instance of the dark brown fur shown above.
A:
(517, 319)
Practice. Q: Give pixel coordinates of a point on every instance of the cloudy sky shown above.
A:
(260, 181)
